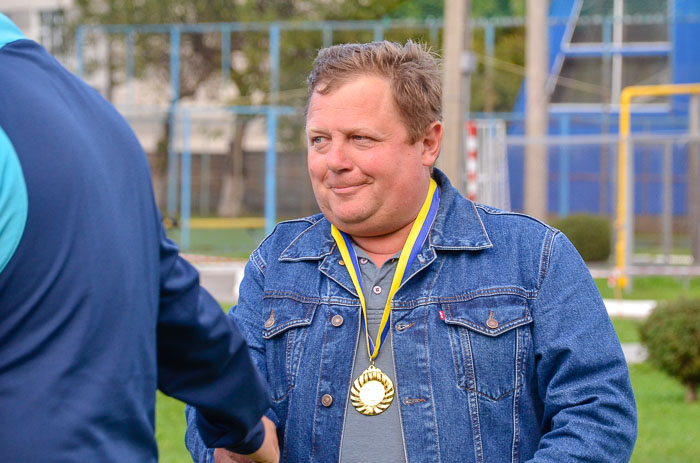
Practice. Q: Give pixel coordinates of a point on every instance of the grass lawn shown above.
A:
(170, 430)
(627, 329)
(657, 288)
(226, 242)
(669, 429)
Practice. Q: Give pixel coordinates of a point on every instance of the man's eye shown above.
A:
(316, 140)
(361, 139)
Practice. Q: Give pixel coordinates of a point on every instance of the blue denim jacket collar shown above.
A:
(455, 228)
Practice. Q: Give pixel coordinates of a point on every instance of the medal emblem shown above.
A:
(372, 392)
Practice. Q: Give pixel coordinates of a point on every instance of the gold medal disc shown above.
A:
(372, 392)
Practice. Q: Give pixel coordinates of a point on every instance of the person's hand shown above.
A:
(269, 451)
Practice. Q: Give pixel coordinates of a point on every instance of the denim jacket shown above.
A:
(544, 380)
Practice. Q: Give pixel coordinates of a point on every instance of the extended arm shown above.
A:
(246, 315)
(203, 359)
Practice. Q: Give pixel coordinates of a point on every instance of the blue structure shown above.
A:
(596, 48)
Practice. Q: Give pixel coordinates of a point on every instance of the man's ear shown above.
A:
(432, 139)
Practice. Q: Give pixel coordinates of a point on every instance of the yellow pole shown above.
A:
(622, 200)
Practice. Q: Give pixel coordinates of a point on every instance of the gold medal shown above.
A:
(372, 392)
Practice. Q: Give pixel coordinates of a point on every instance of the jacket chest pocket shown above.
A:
(490, 337)
(285, 330)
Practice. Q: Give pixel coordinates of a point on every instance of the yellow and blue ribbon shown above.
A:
(414, 243)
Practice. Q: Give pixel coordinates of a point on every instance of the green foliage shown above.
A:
(672, 336)
(496, 87)
(590, 234)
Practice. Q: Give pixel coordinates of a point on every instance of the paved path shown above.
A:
(634, 352)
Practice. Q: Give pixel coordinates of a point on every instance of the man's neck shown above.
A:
(382, 248)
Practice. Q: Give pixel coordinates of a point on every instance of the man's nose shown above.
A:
(337, 157)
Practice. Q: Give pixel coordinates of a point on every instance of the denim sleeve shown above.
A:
(203, 359)
(193, 441)
(583, 380)
(247, 316)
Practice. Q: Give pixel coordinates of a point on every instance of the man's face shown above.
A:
(368, 179)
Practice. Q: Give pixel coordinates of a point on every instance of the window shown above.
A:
(645, 21)
(581, 80)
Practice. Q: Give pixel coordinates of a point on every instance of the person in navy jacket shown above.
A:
(97, 309)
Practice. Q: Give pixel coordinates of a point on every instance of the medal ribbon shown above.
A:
(414, 242)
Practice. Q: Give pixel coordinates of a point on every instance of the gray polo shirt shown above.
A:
(379, 437)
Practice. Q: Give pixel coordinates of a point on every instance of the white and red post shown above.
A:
(471, 160)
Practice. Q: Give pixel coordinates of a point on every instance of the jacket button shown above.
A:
(337, 320)
(270, 321)
(492, 322)
(327, 400)
(340, 262)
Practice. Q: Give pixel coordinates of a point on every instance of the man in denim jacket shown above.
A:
(495, 345)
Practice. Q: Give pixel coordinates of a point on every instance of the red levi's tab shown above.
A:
(442, 315)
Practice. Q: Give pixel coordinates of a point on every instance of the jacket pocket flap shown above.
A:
(489, 315)
(283, 314)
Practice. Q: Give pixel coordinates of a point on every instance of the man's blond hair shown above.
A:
(412, 72)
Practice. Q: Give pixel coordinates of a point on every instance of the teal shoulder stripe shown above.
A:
(14, 203)
(8, 31)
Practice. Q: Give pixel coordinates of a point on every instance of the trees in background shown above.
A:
(249, 73)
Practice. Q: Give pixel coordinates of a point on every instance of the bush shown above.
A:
(672, 337)
(589, 233)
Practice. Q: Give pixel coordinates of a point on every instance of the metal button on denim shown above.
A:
(337, 320)
(377, 290)
(270, 321)
(492, 322)
(340, 262)
(327, 400)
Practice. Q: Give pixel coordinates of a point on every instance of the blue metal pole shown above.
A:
(378, 32)
(270, 171)
(225, 53)
(434, 28)
(174, 98)
(130, 66)
(274, 62)
(327, 36)
(185, 187)
(79, 58)
(271, 153)
(564, 167)
(174, 64)
(490, 39)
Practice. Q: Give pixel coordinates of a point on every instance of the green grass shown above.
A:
(170, 430)
(668, 427)
(228, 242)
(627, 329)
(658, 288)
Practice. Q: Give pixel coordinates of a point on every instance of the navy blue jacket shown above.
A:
(97, 309)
